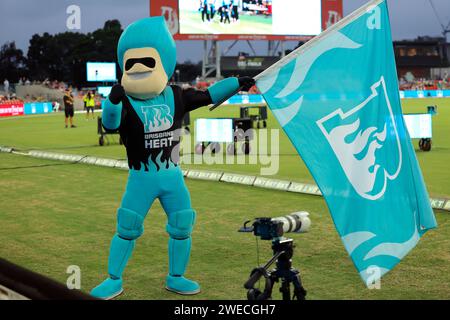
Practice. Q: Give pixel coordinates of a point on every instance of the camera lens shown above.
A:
(298, 222)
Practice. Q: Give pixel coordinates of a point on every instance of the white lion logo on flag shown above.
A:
(358, 158)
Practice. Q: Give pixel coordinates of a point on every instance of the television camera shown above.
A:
(283, 250)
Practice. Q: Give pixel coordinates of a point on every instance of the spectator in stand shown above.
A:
(89, 103)
(422, 84)
(6, 86)
(98, 100)
(68, 108)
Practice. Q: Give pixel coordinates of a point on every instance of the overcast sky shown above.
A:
(20, 19)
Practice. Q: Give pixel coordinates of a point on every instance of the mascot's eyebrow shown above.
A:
(148, 62)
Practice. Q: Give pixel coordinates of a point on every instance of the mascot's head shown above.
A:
(147, 56)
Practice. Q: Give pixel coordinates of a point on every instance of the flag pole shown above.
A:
(354, 15)
(217, 104)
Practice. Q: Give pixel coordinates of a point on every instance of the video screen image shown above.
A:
(101, 71)
(214, 130)
(251, 17)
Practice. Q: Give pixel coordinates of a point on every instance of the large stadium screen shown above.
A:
(251, 17)
(214, 130)
(418, 125)
(101, 71)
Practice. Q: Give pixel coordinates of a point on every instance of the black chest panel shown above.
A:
(162, 148)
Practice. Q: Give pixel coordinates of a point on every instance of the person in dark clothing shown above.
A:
(220, 12)
(205, 10)
(68, 108)
(226, 11)
(212, 9)
(235, 10)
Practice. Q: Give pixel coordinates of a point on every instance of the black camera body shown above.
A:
(267, 229)
(274, 228)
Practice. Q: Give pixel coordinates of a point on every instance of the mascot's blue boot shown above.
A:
(108, 289)
(181, 285)
(120, 252)
(179, 251)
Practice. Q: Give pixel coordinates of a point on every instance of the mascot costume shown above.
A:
(148, 114)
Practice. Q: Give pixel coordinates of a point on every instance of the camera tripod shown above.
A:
(283, 250)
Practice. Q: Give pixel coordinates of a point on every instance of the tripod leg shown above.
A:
(299, 291)
(267, 294)
(285, 289)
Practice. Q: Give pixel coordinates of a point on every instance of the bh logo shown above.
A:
(157, 118)
(171, 19)
(366, 143)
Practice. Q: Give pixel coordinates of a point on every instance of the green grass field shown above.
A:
(191, 23)
(57, 214)
(47, 132)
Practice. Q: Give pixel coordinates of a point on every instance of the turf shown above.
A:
(56, 214)
(47, 132)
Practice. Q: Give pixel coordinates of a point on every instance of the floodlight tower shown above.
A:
(212, 54)
(445, 29)
(211, 59)
(444, 47)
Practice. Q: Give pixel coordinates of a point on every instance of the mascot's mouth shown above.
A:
(139, 75)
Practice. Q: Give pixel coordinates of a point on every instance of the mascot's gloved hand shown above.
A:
(117, 94)
(246, 83)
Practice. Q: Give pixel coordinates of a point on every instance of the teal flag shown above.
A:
(337, 99)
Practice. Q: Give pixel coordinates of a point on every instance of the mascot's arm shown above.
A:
(112, 110)
(194, 99)
(223, 89)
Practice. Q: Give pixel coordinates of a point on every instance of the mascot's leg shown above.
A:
(179, 228)
(181, 218)
(130, 220)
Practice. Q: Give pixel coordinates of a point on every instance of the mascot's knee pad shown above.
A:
(130, 224)
(181, 223)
